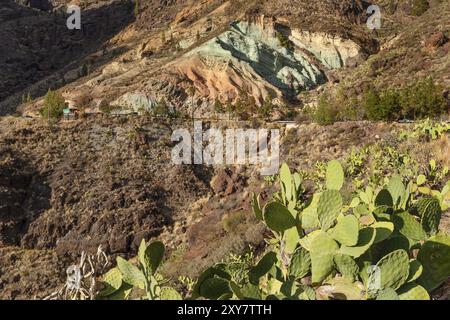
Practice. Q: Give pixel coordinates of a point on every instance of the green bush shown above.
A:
(418, 101)
(54, 105)
(105, 107)
(420, 7)
(423, 100)
(326, 113)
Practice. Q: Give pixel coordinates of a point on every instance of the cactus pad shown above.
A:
(328, 208)
(365, 240)
(278, 217)
(435, 259)
(346, 266)
(413, 291)
(408, 226)
(323, 248)
(430, 213)
(300, 263)
(334, 176)
(394, 269)
(346, 231)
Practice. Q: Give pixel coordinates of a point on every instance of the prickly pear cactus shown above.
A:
(429, 211)
(408, 226)
(334, 176)
(394, 269)
(435, 259)
(328, 208)
(286, 182)
(278, 217)
(300, 264)
(415, 270)
(365, 240)
(397, 190)
(346, 231)
(413, 291)
(323, 248)
(388, 294)
(346, 266)
(112, 281)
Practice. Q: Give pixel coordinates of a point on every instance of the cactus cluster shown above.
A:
(119, 282)
(384, 245)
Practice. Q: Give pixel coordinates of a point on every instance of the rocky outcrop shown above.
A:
(263, 58)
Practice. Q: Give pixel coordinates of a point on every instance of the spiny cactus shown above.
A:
(346, 231)
(322, 250)
(429, 211)
(435, 259)
(363, 250)
(328, 208)
(278, 218)
(346, 266)
(394, 269)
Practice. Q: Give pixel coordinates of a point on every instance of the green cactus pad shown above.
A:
(121, 294)
(307, 240)
(257, 207)
(343, 289)
(395, 242)
(346, 266)
(130, 273)
(334, 176)
(309, 216)
(415, 270)
(216, 271)
(263, 267)
(413, 291)
(365, 240)
(408, 226)
(328, 208)
(151, 256)
(394, 269)
(384, 230)
(435, 259)
(278, 217)
(112, 281)
(286, 181)
(384, 198)
(323, 248)
(388, 294)
(300, 264)
(291, 238)
(346, 231)
(214, 288)
(430, 213)
(168, 293)
(397, 189)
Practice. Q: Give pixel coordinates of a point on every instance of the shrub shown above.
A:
(371, 102)
(422, 100)
(418, 101)
(54, 105)
(326, 113)
(420, 7)
(105, 107)
(265, 111)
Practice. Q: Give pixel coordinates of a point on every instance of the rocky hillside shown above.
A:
(70, 186)
(136, 57)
